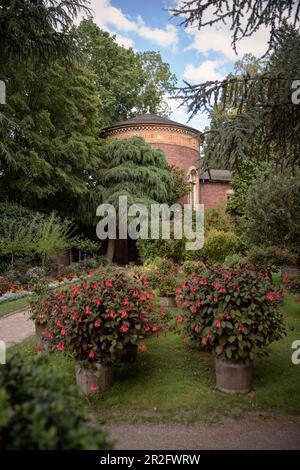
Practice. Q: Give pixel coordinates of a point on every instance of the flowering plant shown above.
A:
(231, 312)
(95, 319)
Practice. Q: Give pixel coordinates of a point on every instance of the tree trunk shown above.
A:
(79, 256)
(110, 250)
(71, 256)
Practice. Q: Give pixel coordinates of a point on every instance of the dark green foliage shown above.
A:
(38, 29)
(53, 142)
(270, 258)
(133, 168)
(272, 211)
(39, 410)
(264, 122)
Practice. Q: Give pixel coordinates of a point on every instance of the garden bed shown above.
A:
(172, 382)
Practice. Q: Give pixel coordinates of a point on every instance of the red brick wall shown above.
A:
(214, 193)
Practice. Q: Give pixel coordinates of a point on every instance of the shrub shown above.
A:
(233, 260)
(38, 411)
(270, 258)
(231, 312)
(168, 249)
(291, 283)
(190, 267)
(96, 319)
(216, 218)
(162, 275)
(219, 244)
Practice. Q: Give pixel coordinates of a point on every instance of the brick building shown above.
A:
(181, 145)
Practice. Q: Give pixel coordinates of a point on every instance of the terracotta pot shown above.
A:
(93, 380)
(167, 302)
(40, 329)
(129, 353)
(233, 377)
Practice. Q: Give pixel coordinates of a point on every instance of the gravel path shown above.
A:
(277, 433)
(16, 327)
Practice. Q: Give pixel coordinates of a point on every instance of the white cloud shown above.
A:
(124, 41)
(218, 39)
(107, 16)
(207, 71)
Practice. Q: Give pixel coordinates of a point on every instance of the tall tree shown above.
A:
(38, 29)
(128, 83)
(244, 17)
(266, 120)
(134, 169)
(52, 138)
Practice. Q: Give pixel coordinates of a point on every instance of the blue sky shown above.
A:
(193, 56)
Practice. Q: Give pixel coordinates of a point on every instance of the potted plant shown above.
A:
(162, 276)
(234, 314)
(96, 321)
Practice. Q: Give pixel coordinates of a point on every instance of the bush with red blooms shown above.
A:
(94, 320)
(291, 283)
(232, 313)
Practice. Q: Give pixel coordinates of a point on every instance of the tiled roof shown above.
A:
(150, 119)
(217, 175)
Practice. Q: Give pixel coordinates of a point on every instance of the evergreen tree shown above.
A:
(131, 168)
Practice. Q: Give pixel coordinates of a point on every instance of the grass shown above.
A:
(12, 306)
(173, 383)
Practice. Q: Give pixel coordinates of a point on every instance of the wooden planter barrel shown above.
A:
(233, 377)
(129, 353)
(167, 301)
(93, 380)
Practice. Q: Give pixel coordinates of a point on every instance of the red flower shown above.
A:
(112, 314)
(143, 347)
(203, 282)
(179, 319)
(93, 388)
(241, 327)
(124, 328)
(235, 286)
(60, 347)
(223, 290)
(178, 291)
(97, 301)
(216, 298)
(63, 332)
(123, 314)
(58, 323)
(285, 277)
(74, 318)
(218, 324)
(135, 293)
(282, 293)
(193, 309)
(147, 327)
(145, 282)
(183, 285)
(88, 310)
(143, 298)
(266, 275)
(227, 277)
(126, 302)
(108, 283)
(216, 285)
(155, 328)
(198, 303)
(270, 296)
(97, 324)
(91, 354)
(204, 341)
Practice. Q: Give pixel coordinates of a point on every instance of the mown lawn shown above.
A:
(172, 382)
(10, 307)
